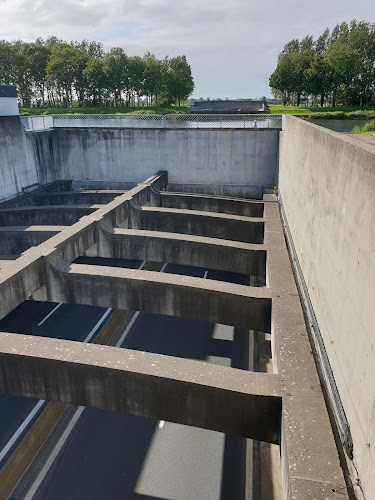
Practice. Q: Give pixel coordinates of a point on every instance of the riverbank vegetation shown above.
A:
(53, 73)
(369, 128)
(337, 68)
(336, 113)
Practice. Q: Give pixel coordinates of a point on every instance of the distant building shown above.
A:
(8, 100)
(244, 107)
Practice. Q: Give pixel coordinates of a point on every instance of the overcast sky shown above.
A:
(232, 46)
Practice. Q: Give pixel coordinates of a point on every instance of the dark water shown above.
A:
(343, 126)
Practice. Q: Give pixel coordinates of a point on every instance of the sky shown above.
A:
(232, 46)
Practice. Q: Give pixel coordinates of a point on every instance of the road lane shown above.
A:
(69, 322)
(122, 456)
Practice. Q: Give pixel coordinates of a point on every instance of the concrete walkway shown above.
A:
(367, 139)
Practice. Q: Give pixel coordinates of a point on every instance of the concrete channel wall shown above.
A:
(232, 162)
(18, 168)
(327, 188)
(216, 161)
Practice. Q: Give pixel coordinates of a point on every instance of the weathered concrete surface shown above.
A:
(173, 295)
(151, 385)
(188, 250)
(16, 239)
(233, 206)
(53, 215)
(18, 167)
(213, 225)
(309, 458)
(327, 186)
(19, 280)
(250, 191)
(226, 158)
(63, 198)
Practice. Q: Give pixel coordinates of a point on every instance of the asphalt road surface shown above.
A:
(94, 454)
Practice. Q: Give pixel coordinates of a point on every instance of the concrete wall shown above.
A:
(17, 163)
(227, 162)
(327, 187)
(229, 159)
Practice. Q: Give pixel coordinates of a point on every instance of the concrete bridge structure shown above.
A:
(102, 193)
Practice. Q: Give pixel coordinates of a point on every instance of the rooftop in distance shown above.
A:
(230, 107)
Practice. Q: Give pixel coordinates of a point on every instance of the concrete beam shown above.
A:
(20, 279)
(151, 385)
(16, 239)
(206, 203)
(62, 215)
(213, 225)
(212, 253)
(173, 295)
(64, 198)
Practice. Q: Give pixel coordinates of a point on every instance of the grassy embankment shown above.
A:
(338, 112)
(152, 110)
(367, 129)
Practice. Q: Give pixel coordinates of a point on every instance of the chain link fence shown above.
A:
(35, 123)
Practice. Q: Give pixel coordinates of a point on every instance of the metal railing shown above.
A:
(36, 123)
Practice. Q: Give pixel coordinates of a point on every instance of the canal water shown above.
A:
(343, 126)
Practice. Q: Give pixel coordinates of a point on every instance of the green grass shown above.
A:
(153, 110)
(338, 112)
(368, 129)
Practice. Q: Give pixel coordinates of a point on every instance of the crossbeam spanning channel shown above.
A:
(63, 198)
(183, 296)
(151, 385)
(214, 225)
(16, 239)
(62, 215)
(189, 250)
(208, 203)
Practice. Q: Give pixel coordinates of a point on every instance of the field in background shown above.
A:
(338, 113)
(152, 110)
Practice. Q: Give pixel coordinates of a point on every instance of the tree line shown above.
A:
(56, 73)
(337, 68)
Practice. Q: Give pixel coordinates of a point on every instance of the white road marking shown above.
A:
(127, 329)
(92, 333)
(21, 428)
(42, 474)
(40, 403)
(163, 268)
(49, 314)
(142, 265)
(205, 275)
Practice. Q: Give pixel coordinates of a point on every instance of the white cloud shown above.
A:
(231, 46)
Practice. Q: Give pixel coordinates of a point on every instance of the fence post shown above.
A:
(164, 121)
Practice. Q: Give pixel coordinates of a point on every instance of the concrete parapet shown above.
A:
(331, 223)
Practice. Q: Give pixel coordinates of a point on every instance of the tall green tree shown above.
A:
(179, 80)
